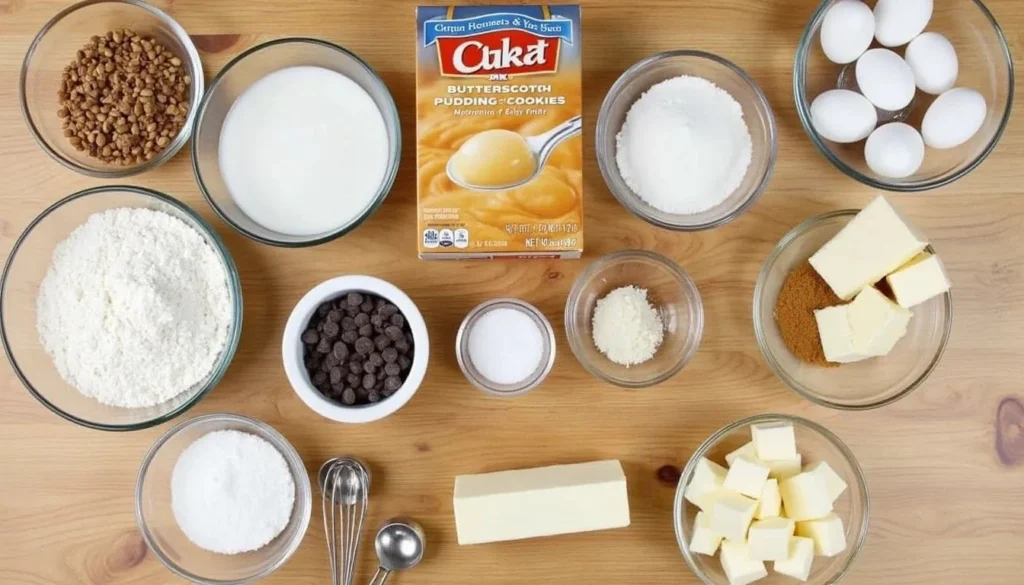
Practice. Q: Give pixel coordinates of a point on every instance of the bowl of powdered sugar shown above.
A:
(119, 308)
(223, 498)
(686, 140)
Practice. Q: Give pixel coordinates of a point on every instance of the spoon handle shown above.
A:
(552, 138)
(383, 574)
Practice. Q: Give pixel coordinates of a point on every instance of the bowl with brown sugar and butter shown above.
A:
(852, 308)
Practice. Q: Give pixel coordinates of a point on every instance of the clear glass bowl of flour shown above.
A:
(19, 287)
(757, 113)
(324, 163)
(159, 528)
(671, 292)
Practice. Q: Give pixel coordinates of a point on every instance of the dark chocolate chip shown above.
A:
(348, 396)
(331, 329)
(334, 316)
(395, 333)
(388, 310)
(362, 319)
(374, 396)
(324, 366)
(364, 346)
(340, 351)
(379, 303)
(310, 337)
(350, 337)
(389, 354)
(392, 369)
(376, 321)
(351, 311)
(366, 330)
(353, 379)
(369, 380)
(355, 367)
(405, 362)
(335, 375)
(398, 320)
(319, 379)
(348, 324)
(376, 359)
(354, 299)
(323, 346)
(324, 309)
(392, 383)
(382, 342)
(386, 393)
(369, 368)
(402, 346)
(367, 306)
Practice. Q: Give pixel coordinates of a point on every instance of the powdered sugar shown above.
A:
(231, 492)
(684, 147)
(134, 308)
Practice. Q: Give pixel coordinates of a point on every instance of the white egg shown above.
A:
(953, 118)
(847, 30)
(885, 79)
(894, 151)
(843, 116)
(933, 60)
(897, 22)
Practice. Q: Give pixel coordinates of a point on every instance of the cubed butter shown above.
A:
(704, 540)
(746, 450)
(774, 441)
(833, 482)
(827, 533)
(746, 477)
(708, 478)
(739, 568)
(919, 280)
(805, 497)
(875, 243)
(731, 515)
(836, 335)
(768, 540)
(782, 469)
(876, 322)
(769, 505)
(527, 503)
(801, 557)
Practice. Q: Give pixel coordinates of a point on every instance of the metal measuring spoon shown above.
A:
(399, 543)
(541, 146)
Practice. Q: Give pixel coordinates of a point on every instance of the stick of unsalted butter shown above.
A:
(919, 280)
(544, 501)
(875, 242)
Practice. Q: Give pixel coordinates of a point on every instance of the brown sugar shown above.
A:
(803, 292)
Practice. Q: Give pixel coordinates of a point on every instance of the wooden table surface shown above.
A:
(946, 507)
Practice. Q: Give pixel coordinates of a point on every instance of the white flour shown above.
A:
(231, 492)
(134, 308)
(684, 147)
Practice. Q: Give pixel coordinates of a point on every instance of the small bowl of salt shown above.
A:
(634, 318)
(686, 140)
(223, 498)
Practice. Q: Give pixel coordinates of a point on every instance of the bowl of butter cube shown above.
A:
(881, 318)
(771, 499)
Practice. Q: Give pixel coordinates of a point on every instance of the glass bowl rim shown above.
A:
(196, 94)
(394, 150)
(832, 438)
(231, 272)
(803, 110)
(685, 282)
(628, 199)
(762, 343)
(283, 446)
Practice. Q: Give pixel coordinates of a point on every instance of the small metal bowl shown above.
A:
(55, 46)
(476, 378)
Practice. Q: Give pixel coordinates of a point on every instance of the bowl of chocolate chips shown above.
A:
(355, 349)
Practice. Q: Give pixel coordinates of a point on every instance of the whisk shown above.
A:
(344, 487)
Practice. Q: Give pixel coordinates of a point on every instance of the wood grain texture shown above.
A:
(946, 500)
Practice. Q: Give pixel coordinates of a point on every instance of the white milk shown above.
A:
(303, 151)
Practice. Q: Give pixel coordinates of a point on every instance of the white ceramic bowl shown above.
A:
(291, 348)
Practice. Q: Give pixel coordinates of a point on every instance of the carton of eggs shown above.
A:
(888, 82)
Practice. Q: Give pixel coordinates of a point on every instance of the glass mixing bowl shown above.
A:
(156, 521)
(25, 269)
(985, 65)
(55, 47)
(860, 385)
(234, 79)
(815, 443)
(756, 111)
(669, 289)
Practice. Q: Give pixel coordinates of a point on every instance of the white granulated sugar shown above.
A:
(134, 308)
(684, 146)
(506, 346)
(626, 328)
(231, 492)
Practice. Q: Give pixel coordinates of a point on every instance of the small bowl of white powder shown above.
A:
(223, 498)
(120, 308)
(686, 140)
(297, 142)
(634, 318)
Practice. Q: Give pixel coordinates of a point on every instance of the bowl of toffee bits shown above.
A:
(108, 87)
(355, 349)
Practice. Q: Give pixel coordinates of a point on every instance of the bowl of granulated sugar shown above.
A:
(686, 140)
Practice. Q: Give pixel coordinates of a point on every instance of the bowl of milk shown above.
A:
(297, 142)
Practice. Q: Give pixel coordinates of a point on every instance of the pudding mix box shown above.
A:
(499, 151)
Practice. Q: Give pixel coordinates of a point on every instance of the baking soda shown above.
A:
(506, 346)
(304, 151)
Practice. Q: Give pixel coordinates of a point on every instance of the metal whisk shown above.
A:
(344, 487)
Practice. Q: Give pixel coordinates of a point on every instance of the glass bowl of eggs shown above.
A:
(904, 95)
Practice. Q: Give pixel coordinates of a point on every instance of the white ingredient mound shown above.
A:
(626, 328)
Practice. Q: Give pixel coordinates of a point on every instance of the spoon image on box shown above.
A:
(399, 544)
(498, 159)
